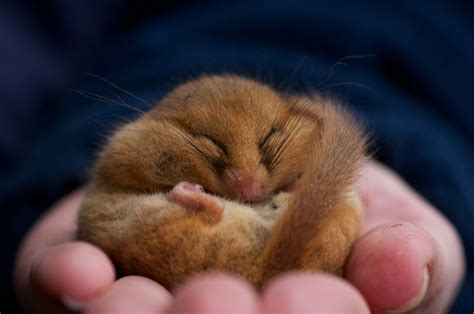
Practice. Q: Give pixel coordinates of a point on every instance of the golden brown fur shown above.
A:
(282, 166)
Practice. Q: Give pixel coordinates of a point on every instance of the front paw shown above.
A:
(193, 198)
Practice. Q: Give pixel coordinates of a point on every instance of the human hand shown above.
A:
(409, 258)
(57, 274)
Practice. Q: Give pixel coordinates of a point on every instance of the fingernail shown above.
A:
(413, 303)
(72, 304)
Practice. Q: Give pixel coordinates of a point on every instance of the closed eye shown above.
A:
(219, 165)
(265, 139)
(217, 143)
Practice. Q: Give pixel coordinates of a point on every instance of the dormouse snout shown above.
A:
(247, 186)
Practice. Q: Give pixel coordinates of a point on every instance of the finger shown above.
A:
(57, 226)
(74, 273)
(391, 266)
(312, 293)
(388, 200)
(132, 294)
(215, 293)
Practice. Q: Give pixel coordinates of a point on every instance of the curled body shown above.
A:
(227, 174)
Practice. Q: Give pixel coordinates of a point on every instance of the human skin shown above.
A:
(409, 258)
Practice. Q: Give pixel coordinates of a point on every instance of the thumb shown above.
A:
(392, 266)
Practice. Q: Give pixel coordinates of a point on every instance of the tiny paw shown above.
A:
(193, 198)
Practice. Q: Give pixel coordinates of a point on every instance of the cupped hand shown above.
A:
(57, 274)
(409, 258)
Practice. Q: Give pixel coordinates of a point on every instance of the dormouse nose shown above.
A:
(246, 186)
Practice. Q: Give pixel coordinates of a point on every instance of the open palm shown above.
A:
(409, 258)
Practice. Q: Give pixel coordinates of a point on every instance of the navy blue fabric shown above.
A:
(405, 66)
(41, 47)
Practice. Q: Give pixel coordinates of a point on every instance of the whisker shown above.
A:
(294, 127)
(332, 69)
(95, 97)
(117, 87)
(295, 71)
(125, 104)
(192, 143)
(346, 84)
(96, 121)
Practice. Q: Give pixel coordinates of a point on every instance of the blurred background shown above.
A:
(71, 71)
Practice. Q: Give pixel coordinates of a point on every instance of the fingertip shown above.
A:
(312, 293)
(390, 266)
(215, 293)
(132, 294)
(77, 270)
